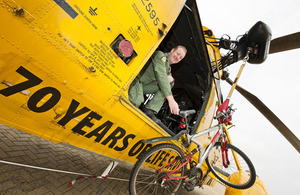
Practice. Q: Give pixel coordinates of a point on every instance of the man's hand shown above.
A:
(171, 79)
(174, 108)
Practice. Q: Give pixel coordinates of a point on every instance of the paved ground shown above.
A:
(19, 147)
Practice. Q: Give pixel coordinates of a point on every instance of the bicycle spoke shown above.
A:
(156, 164)
(144, 180)
(232, 175)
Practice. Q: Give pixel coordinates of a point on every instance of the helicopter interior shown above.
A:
(192, 75)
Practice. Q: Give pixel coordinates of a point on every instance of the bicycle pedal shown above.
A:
(189, 186)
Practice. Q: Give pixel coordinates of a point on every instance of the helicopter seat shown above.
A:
(152, 115)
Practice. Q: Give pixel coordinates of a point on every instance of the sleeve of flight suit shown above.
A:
(160, 71)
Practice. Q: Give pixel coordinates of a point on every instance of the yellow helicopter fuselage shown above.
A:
(66, 83)
(63, 77)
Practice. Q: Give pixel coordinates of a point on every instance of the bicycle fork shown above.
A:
(218, 136)
(224, 150)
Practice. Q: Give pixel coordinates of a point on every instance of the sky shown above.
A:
(275, 82)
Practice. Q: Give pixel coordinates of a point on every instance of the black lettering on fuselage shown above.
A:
(71, 113)
(163, 160)
(46, 98)
(176, 163)
(31, 82)
(155, 157)
(133, 151)
(148, 160)
(86, 122)
(125, 142)
(117, 134)
(144, 150)
(171, 158)
(39, 95)
(106, 126)
(162, 152)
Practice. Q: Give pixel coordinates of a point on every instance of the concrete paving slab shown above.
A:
(20, 147)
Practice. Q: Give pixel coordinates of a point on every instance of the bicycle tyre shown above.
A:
(226, 175)
(145, 178)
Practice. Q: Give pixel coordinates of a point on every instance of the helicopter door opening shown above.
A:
(192, 84)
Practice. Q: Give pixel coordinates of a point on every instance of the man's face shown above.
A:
(176, 55)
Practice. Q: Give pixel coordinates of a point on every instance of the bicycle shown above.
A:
(165, 167)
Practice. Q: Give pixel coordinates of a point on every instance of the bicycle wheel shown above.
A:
(147, 175)
(231, 175)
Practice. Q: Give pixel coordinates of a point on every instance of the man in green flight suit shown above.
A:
(157, 79)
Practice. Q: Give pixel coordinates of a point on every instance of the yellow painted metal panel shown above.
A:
(60, 78)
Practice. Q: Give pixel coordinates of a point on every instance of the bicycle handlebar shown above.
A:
(225, 114)
(222, 114)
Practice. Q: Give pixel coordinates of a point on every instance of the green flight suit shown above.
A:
(153, 80)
